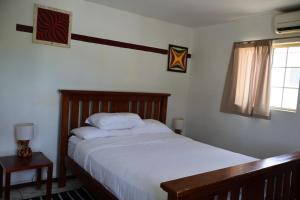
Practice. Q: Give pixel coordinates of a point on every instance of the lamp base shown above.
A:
(24, 151)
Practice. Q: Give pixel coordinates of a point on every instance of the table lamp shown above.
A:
(24, 133)
(178, 125)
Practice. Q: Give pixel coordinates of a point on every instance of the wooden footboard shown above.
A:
(269, 179)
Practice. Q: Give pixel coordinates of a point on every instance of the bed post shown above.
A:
(164, 105)
(63, 139)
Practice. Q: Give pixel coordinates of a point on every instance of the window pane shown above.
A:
(290, 97)
(292, 77)
(293, 57)
(279, 57)
(277, 77)
(276, 95)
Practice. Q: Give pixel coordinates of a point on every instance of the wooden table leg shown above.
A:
(7, 186)
(49, 182)
(1, 181)
(39, 178)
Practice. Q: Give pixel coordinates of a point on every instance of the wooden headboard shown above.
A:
(77, 105)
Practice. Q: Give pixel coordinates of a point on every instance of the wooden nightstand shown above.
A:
(10, 164)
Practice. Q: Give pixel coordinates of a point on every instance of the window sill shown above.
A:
(284, 110)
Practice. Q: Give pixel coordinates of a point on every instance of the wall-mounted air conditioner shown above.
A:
(287, 23)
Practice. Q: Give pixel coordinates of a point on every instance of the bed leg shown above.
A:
(171, 197)
(62, 181)
(62, 174)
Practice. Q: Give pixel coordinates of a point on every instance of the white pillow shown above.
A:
(150, 126)
(89, 132)
(114, 121)
(86, 132)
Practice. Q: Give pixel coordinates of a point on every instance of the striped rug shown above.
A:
(78, 194)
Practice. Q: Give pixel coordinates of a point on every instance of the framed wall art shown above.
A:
(51, 26)
(177, 58)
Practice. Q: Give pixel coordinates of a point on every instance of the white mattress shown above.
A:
(132, 167)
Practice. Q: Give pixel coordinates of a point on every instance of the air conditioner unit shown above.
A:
(287, 23)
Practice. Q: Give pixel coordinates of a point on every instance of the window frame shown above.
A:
(284, 80)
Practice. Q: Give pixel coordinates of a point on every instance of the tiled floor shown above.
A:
(28, 192)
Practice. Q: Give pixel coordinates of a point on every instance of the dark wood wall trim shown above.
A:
(84, 38)
(24, 28)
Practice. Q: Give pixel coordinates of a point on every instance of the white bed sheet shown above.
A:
(132, 167)
(73, 141)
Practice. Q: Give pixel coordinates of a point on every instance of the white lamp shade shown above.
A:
(24, 131)
(178, 123)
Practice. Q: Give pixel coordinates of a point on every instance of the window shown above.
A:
(285, 78)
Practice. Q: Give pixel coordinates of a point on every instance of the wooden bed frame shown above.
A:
(269, 179)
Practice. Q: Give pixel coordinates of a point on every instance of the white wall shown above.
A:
(255, 137)
(31, 74)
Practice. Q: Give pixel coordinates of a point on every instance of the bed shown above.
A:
(224, 175)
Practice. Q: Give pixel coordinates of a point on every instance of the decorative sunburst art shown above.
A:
(52, 26)
(177, 61)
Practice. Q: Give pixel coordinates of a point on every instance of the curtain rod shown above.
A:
(293, 37)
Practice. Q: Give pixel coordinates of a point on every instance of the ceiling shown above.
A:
(196, 13)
